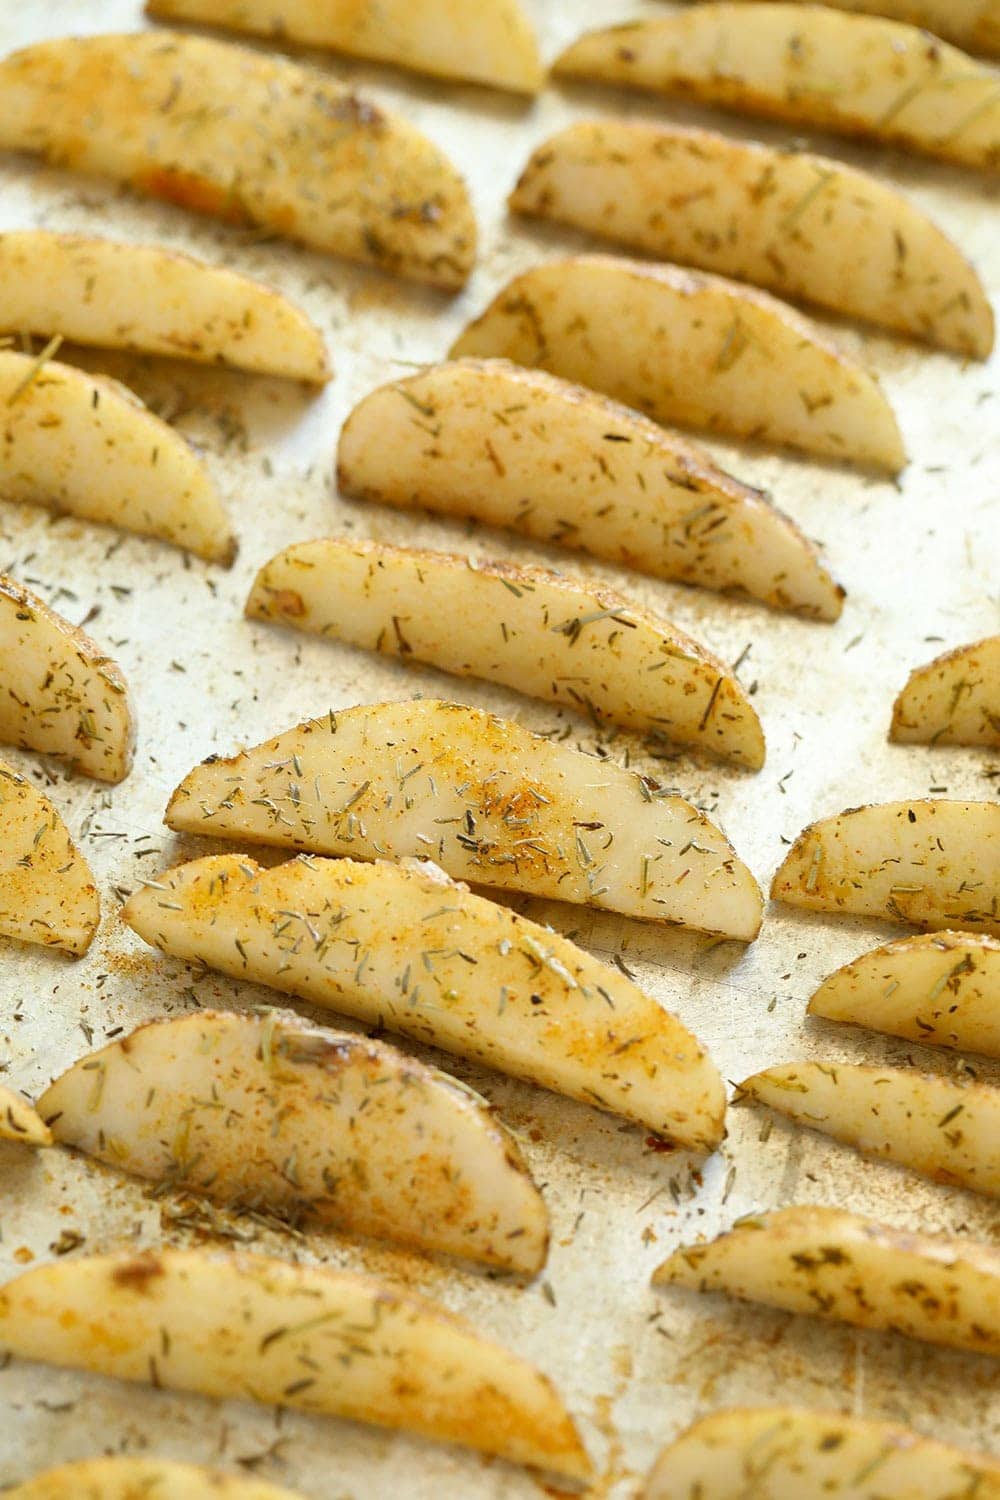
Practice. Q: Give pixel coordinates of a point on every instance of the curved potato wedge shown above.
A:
(789, 1453)
(805, 226)
(47, 890)
(136, 1478)
(404, 947)
(253, 1327)
(942, 988)
(276, 145)
(86, 446)
(267, 1111)
(953, 700)
(564, 640)
(20, 1122)
(491, 42)
(859, 75)
(521, 449)
(687, 347)
(974, 24)
(487, 801)
(59, 693)
(845, 1269)
(931, 861)
(948, 1129)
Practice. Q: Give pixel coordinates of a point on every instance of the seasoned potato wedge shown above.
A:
(87, 446)
(19, 1122)
(59, 693)
(404, 947)
(277, 145)
(949, 1129)
(846, 1269)
(953, 700)
(521, 449)
(47, 890)
(859, 75)
(804, 226)
(138, 1478)
(313, 1124)
(789, 1453)
(490, 42)
(289, 1335)
(487, 801)
(932, 862)
(564, 640)
(942, 988)
(687, 347)
(974, 24)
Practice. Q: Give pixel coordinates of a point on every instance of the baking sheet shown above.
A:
(921, 562)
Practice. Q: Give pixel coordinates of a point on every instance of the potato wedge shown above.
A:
(292, 1335)
(859, 75)
(47, 890)
(564, 640)
(845, 1269)
(59, 693)
(949, 1129)
(932, 861)
(974, 24)
(86, 446)
(402, 946)
(491, 42)
(941, 988)
(520, 449)
(789, 1453)
(270, 1112)
(20, 1122)
(143, 1479)
(687, 347)
(487, 801)
(953, 700)
(277, 145)
(805, 226)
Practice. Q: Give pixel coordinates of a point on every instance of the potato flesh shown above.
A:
(560, 639)
(19, 1122)
(47, 890)
(133, 1478)
(973, 24)
(953, 700)
(487, 801)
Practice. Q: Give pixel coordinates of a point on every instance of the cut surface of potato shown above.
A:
(270, 1112)
(486, 800)
(949, 1129)
(933, 862)
(490, 42)
(974, 24)
(85, 445)
(845, 1269)
(687, 347)
(804, 226)
(953, 700)
(47, 890)
(291, 1335)
(143, 1479)
(524, 450)
(942, 988)
(402, 946)
(59, 693)
(564, 640)
(859, 75)
(277, 145)
(20, 1122)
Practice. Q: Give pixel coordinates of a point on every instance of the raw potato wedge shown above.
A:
(402, 946)
(19, 1122)
(942, 988)
(789, 1453)
(804, 226)
(491, 42)
(277, 145)
(59, 693)
(953, 700)
(521, 449)
(270, 1112)
(563, 640)
(859, 75)
(487, 801)
(687, 347)
(143, 1479)
(47, 890)
(932, 862)
(974, 24)
(86, 446)
(946, 1128)
(845, 1269)
(304, 1336)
